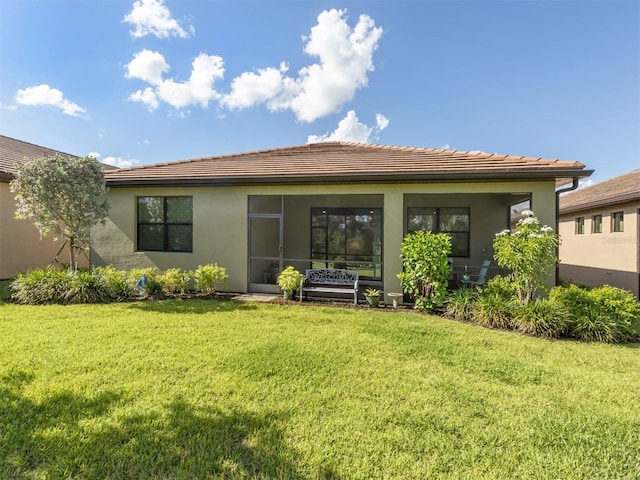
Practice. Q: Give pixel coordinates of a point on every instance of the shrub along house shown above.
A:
(21, 246)
(340, 205)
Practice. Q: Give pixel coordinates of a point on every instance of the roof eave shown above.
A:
(409, 177)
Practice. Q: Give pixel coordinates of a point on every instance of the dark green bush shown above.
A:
(542, 318)
(86, 287)
(492, 310)
(460, 304)
(501, 286)
(605, 314)
(41, 286)
(118, 286)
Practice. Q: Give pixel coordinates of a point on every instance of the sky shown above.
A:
(149, 81)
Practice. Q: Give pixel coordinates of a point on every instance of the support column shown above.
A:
(393, 235)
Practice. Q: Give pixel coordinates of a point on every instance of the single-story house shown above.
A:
(600, 228)
(21, 246)
(340, 204)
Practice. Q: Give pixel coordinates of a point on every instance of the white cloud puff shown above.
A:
(148, 66)
(44, 95)
(351, 130)
(345, 57)
(198, 90)
(152, 17)
(252, 88)
(95, 155)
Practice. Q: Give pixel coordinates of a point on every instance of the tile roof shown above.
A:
(14, 151)
(343, 161)
(622, 189)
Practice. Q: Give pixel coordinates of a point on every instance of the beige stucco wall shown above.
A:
(21, 247)
(220, 229)
(602, 258)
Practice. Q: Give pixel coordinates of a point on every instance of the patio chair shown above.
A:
(479, 279)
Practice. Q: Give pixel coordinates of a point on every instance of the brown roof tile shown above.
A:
(340, 161)
(621, 189)
(14, 151)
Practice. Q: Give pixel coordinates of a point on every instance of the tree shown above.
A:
(65, 196)
(425, 267)
(530, 254)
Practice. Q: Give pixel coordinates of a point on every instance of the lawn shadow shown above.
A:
(67, 435)
(192, 306)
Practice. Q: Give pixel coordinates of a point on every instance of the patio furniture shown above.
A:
(479, 279)
(330, 280)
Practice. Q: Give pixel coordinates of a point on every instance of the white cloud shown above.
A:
(147, 97)
(44, 95)
(120, 162)
(345, 57)
(148, 66)
(152, 17)
(446, 146)
(351, 130)
(8, 107)
(250, 88)
(95, 155)
(198, 90)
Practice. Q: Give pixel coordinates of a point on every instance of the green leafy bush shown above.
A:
(119, 287)
(41, 286)
(461, 304)
(493, 311)
(529, 253)
(605, 314)
(426, 268)
(500, 286)
(208, 277)
(542, 318)
(87, 287)
(175, 281)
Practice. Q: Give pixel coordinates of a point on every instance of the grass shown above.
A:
(207, 389)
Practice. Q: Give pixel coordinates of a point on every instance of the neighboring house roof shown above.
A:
(14, 151)
(332, 162)
(622, 189)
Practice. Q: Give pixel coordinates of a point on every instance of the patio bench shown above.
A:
(330, 280)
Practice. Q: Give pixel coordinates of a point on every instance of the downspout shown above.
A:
(573, 186)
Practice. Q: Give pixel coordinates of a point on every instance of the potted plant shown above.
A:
(289, 281)
(372, 296)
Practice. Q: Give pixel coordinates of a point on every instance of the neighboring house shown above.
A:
(328, 204)
(21, 246)
(600, 229)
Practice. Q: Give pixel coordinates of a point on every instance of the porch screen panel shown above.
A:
(348, 238)
(454, 221)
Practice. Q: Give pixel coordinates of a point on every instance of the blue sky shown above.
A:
(138, 82)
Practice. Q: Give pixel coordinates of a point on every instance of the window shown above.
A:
(596, 224)
(617, 222)
(580, 225)
(348, 238)
(454, 221)
(165, 224)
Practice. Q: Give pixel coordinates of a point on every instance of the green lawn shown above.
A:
(206, 389)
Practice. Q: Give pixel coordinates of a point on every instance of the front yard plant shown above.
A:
(425, 268)
(106, 284)
(529, 254)
(289, 281)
